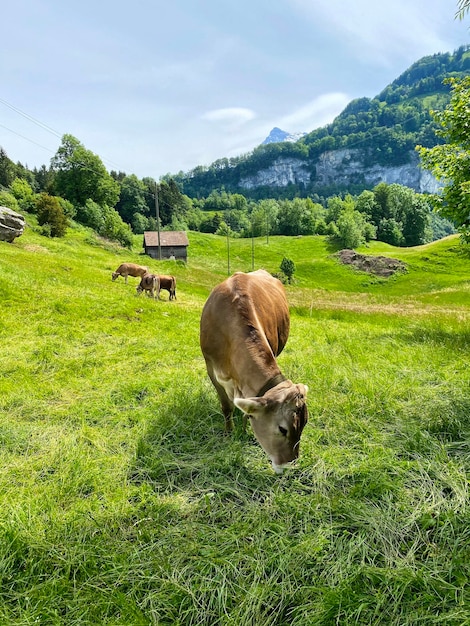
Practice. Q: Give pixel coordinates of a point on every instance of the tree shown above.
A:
(7, 169)
(412, 211)
(114, 228)
(238, 221)
(106, 221)
(90, 214)
(211, 223)
(288, 268)
(296, 217)
(463, 6)
(366, 204)
(132, 198)
(22, 191)
(81, 175)
(8, 199)
(44, 178)
(50, 215)
(416, 225)
(264, 218)
(139, 223)
(68, 208)
(335, 206)
(450, 162)
(391, 231)
(350, 226)
(173, 204)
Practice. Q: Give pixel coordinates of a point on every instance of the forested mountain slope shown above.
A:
(372, 140)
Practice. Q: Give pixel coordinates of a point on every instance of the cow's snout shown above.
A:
(279, 469)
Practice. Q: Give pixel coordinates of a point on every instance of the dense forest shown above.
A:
(386, 129)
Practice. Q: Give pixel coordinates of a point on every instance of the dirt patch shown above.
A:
(31, 247)
(377, 265)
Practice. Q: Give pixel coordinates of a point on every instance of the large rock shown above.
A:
(11, 224)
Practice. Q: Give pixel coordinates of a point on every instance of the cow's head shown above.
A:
(115, 275)
(278, 418)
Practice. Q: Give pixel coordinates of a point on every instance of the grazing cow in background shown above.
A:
(244, 326)
(150, 283)
(168, 283)
(129, 269)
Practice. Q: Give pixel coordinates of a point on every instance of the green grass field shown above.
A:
(124, 503)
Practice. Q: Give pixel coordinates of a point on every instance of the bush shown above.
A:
(68, 208)
(23, 192)
(51, 215)
(288, 268)
(90, 214)
(114, 228)
(9, 200)
(281, 276)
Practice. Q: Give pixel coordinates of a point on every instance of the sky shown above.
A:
(156, 88)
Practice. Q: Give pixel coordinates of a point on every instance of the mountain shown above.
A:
(372, 140)
(277, 135)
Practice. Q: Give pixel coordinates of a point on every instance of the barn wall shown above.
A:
(178, 252)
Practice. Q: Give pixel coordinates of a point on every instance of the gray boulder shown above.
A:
(11, 224)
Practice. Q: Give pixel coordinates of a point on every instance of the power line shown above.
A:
(41, 125)
(27, 138)
(30, 118)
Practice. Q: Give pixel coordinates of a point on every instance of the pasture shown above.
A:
(124, 503)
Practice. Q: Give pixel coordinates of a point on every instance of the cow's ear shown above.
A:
(250, 406)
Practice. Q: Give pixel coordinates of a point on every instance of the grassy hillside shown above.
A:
(123, 502)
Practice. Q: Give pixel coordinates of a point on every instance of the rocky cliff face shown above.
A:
(280, 174)
(342, 167)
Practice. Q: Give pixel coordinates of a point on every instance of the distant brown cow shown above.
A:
(150, 283)
(244, 326)
(168, 283)
(129, 269)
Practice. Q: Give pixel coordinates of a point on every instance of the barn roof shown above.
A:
(168, 238)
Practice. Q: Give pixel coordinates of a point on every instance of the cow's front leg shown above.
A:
(225, 403)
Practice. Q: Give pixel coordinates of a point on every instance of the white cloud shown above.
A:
(379, 32)
(314, 114)
(230, 118)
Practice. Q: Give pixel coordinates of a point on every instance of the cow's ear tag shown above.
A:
(249, 406)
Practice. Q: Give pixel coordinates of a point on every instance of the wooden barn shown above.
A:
(173, 244)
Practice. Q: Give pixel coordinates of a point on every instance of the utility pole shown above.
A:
(252, 247)
(157, 213)
(228, 245)
(267, 226)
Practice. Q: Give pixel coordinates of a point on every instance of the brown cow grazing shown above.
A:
(150, 283)
(129, 269)
(168, 283)
(244, 326)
